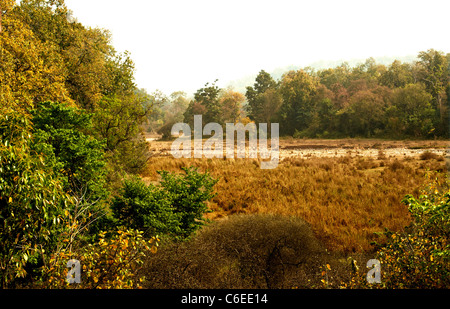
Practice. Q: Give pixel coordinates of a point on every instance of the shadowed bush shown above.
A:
(242, 251)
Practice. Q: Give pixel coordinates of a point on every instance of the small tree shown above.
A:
(175, 207)
(188, 194)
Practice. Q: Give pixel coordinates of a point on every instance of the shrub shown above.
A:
(188, 194)
(176, 206)
(146, 208)
(419, 257)
(241, 251)
(110, 263)
(428, 155)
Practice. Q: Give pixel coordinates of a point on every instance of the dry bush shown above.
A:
(396, 165)
(244, 251)
(428, 155)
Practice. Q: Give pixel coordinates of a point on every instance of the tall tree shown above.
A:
(30, 70)
(231, 103)
(397, 75)
(411, 112)
(297, 89)
(206, 102)
(435, 75)
(258, 105)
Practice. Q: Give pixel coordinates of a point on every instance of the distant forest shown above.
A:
(400, 100)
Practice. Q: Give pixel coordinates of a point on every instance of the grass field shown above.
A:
(347, 190)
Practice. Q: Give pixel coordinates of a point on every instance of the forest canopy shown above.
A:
(401, 100)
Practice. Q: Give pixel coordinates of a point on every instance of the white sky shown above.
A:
(182, 44)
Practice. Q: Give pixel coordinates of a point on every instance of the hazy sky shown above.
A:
(182, 44)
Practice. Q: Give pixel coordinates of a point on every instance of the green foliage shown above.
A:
(61, 135)
(419, 257)
(117, 121)
(368, 100)
(258, 98)
(175, 207)
(188, 194)
(297, 89)
(32, 200)
(143, 207)
(206, 102)
(67, 62)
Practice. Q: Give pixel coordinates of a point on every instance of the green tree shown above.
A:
(397, 75)
(411, 112)
(118, 121)
(209, 98)
(62, 135)
(260, 105)
(435, 75)
(174, 207)
(32, 200)
(297, 89)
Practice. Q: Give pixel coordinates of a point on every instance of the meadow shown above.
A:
(346, 190)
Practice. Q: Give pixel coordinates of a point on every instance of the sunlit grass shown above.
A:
(346, 200)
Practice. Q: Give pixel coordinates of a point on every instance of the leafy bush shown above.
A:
(146, 208)
(110, 263)
(32, 200)
(419, 257)
(188, 194)
(176, 206)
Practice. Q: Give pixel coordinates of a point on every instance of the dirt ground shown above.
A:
(304, 148)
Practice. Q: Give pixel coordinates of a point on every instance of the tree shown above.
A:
(30, 70)
(338, 75)
(32, 200)
(364, 115)
(90, 66)
(231, 103)
(176, 107)
(413, 110)
(159, 112)
(297, 89)
(62, 135)
(259, 106)
(323, 122)
(397, 75)
(118, 121)
(435, 75)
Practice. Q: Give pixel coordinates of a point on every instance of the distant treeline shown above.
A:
(402, 100)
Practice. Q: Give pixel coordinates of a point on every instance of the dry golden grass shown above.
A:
(345, 199)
